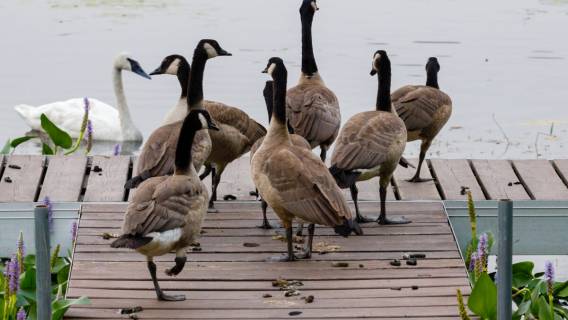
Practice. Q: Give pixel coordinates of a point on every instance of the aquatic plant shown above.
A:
(58, 138)
(117, 149)
(461, 306)
(18, 289)
(74, 228)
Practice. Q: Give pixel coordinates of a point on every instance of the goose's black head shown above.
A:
(171, 65)
(308, 8)
(380, 62)
(201, 119)
(432, 64)
(275, 68)
(211, 48)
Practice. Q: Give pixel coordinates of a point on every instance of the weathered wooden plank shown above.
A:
(561, 166)
(541, 180)
(25, 173)
(107, 178)
(255, 257)
(415, 191)
(256, 285)
(498, 179)
(453, 176)
(448, 291)
(344, 311)
(64, 178)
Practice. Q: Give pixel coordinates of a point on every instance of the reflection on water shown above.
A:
(501, 61)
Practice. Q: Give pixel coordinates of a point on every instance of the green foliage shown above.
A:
(59, 137)
(483, 298)
(6, 148)
(26, 295)
(16, 142)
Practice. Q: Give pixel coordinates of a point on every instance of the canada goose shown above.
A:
(157, 155)
(167, 211)
(371, 143)
(238, 131)
(296, 140)
(424, 110)
(294, 181)
(108, 123)
(313, 109)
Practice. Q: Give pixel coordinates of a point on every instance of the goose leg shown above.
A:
(180, 263)
(290, 256)
(383, 216)
(215, 179)
(161, 295)
(354, 195)
(323, 153)
(423, 148)
(308, 249)
(300, 229)
(265, 224)
(206, 172)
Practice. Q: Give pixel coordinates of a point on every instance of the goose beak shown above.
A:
(213, 126)
(157, 71)
(264, 71)
(373, 72)
(222, 52)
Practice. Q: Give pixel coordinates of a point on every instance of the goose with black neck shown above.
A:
(371, 143)
(238, 131)
(157, 155)
(166, 212)
(313, 109)
(296, 140)
(293, 180)
(424, 110)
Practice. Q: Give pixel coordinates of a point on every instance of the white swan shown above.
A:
(108, 123)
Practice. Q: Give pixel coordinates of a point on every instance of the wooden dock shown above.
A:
(230, 280)
(25, 178)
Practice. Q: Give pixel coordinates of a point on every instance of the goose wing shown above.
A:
(158, 153)
(313, 112)
(236, 118)
(366, 139)
(305, 186)
(161, 204)
(417, 105)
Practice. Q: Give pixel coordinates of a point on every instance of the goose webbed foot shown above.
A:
(383, 220)
(417, 179)
(265, 225)
(289, 256)
(174, 297)
(211, 208)
(175, 270)
(363, 219)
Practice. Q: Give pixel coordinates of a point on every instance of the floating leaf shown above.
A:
(59, 137)
(544, 311)
(522, 273)
(483, 298)
(16, 142)
(6, 148)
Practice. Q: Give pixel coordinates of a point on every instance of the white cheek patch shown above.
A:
(315, 6)
(211, 52)
(376, 57)
(173, 67)
(271, 68)
(203, 120)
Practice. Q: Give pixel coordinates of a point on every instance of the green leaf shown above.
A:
(483, 298)
(58, 136)
(522, 273)
(544, 312)
(561, 290)
(46, 150)
(16, 142)
(28, 279)
(59, 307)
(523, 309)
(60, 263)
(6, 148)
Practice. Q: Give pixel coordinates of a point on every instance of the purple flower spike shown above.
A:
(74, 231)
(89, 130)
(482, 250)
(549, 276)
(13, 270)
(21, 314)
(472, 262)
(87, 104)
(49, 205)
(117, 149)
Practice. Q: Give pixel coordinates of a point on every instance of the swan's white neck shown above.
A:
(129, 130)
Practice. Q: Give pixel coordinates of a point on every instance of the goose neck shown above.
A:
(432, 79)
(183, 164)
(383, 92)
(309, 66)
(195, 89)
(278, 127)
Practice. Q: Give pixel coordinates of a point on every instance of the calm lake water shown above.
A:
(503, 62)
